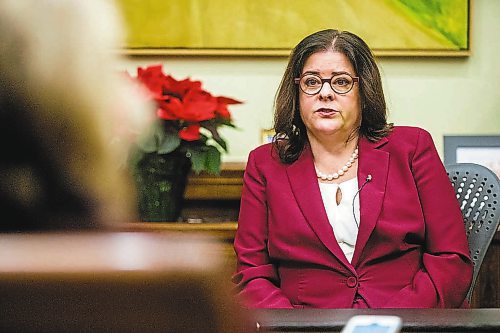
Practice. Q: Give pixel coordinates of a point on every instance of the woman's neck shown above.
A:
(333, 154)
(333, 145)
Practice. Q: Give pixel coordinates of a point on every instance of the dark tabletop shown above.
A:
(414, 320)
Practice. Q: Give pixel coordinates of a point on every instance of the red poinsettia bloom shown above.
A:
(222, 109)
(190, 133)
(170, 108)
(199, 105)
(180, 88)
(184, 107)
(153, 78)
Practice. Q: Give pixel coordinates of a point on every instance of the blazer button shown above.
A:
(352, 282)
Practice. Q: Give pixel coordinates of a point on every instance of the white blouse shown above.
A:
(341, 216)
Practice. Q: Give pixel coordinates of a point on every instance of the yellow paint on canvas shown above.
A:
(278, 24)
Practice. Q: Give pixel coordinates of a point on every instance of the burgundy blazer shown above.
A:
(411, 250)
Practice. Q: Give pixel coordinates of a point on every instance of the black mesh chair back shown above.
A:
(477, 189)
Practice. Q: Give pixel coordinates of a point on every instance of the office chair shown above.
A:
(478, 190)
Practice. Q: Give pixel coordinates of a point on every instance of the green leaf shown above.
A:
(226, 122)
(222, 143)
(168, 142)
(213, 160)
(206, 159)
(148, 141)
(212, 127)
(198, 159)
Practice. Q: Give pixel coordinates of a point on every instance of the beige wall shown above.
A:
(446, 96)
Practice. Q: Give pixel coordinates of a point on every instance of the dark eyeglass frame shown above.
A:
(323, 81)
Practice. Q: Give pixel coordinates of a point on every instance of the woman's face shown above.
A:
(327, 112)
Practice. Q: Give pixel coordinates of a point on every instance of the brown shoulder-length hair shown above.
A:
(291, 137)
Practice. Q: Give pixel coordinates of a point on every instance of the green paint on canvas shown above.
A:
(447, 17)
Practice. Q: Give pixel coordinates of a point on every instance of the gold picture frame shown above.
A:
(271, 28)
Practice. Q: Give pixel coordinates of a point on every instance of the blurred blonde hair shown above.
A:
(63, 101)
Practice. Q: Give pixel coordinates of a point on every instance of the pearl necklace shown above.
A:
(340, 172)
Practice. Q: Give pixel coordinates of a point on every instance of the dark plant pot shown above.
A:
(161, 181)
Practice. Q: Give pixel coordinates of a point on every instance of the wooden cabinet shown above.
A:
(210, 198)
(222, 232)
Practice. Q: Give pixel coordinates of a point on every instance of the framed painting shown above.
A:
(484, 150)
(273, 27)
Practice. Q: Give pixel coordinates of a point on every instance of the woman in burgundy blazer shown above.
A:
(411, 250)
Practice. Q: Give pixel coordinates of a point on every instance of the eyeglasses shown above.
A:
(311, 84)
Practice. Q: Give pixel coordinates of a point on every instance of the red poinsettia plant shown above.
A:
(187, 119)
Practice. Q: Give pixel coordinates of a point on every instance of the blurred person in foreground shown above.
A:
(65, 112)
(67, 119)
(343, 209)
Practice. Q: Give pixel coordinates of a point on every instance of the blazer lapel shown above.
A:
(302, 176)
(375, 162)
